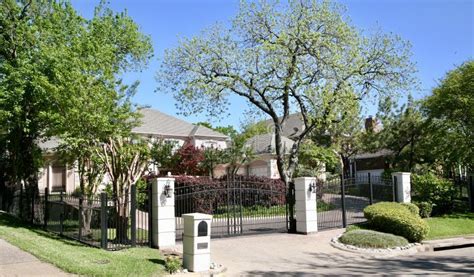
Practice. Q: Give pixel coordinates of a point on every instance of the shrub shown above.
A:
(206, 195)
(412, 208)
(429, 188)
(372, 239)
(425, 209)
(396, 219)
(172, 264)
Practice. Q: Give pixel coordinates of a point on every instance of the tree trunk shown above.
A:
(86, 215)
(280, 155)
(121, 229)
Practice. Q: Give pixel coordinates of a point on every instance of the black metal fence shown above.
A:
(463, 198)
(341, 201)
(238, 206)
(99, 220)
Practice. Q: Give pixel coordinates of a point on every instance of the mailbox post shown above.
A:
(197, 242)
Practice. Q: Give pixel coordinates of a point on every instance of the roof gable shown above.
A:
(155, 122)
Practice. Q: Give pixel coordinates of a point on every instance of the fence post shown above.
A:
(343, 202)
(305, 205)
(21, 201)
(471, 192)
(81, 203)
(371, 188)
(46, 194)
(61, 215)
(291, 208)
(402, 187)
(133, 216)
(103, 220)
(150, 214)
(33, 192)
(164, 221)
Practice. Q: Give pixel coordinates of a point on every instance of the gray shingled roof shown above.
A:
(157, 123)
(266, 143)
(294, 125)
(368, 155)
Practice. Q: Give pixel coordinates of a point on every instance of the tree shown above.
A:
(190, 159)
(405, 132)
(302, 56)
(25, 87)
(163, 155)
(450, 110)
(125, 160)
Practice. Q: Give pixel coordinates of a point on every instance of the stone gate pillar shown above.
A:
(163, 217)
(305, 205)
(401, 181)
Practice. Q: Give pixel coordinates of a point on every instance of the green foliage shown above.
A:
(312, 157)
(73, 91)
(396, 219)
(300, 56)
(172, 264)
(425, 209)
(432, 189)
(142, 195)
(372, 239)
(451, 110)
(163, 154)
(412, 208)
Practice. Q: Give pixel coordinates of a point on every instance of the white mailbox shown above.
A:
(197, 242)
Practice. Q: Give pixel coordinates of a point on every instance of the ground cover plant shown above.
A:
(372, 239)
(74, 257)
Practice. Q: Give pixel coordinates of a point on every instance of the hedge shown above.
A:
(397, 219)
(412, 208)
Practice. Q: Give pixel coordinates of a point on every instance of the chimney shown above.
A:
(370, 124)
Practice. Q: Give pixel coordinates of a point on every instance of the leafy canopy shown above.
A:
(302, 56)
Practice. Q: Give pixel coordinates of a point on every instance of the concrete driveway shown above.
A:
(299, 255)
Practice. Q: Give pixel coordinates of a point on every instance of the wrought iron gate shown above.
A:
(238, 206)
(341, 201)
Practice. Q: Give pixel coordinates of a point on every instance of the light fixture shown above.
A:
(312, 187)
(167, 191)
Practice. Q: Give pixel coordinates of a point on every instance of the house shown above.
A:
(265, 163)
(155, 125)
(374, 163)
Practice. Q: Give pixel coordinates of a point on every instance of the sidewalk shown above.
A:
(16, 262)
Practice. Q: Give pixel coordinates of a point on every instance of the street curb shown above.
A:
(448, 243)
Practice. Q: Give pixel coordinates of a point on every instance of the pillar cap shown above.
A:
(401, 173)
(197, 216)
(305, 178)
(165, 179)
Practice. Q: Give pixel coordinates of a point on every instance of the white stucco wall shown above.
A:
(206, 143)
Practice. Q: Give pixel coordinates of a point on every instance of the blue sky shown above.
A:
(441, 32)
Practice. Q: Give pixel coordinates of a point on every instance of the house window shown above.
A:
(58, 179)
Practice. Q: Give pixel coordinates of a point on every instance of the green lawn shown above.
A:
(74, 257)
(452, 225)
